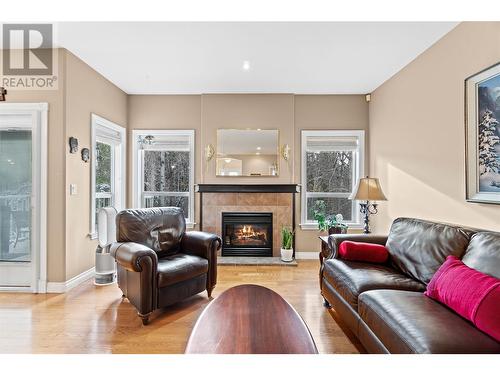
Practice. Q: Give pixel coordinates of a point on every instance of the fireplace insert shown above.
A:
(247, 234)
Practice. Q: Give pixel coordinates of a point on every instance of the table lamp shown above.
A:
(368, 190)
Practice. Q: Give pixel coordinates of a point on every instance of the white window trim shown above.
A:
(137, 174)
(119, 181)
(358, 173)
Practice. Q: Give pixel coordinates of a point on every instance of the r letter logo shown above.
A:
(27, 50)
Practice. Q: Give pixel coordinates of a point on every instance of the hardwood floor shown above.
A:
(91, 319)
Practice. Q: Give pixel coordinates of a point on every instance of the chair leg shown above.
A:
(145, 318)
(209, 291)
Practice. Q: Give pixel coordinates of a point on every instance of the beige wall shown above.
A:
(286, 112)
(241, 111)
(324, 112)
(417, 139)
(86, 92)
(56, 168)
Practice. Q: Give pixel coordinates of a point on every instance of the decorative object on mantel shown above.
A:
(285, 151)
(286, 244)
(368, 190)
(85, 155)
(3, 92)
(73, 145)
(209, 152)
(334, 224)
(482, 103)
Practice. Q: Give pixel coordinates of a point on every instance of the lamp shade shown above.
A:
(369, 189)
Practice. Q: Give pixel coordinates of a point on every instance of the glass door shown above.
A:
(16, 190)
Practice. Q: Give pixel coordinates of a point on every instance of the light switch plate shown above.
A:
(72, 189)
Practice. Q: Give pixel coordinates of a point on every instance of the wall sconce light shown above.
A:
(3, 92)
(209, 152)
(285, 152)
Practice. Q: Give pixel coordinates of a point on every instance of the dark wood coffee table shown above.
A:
(250, 319)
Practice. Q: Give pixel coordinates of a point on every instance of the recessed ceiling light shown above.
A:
(246, 65)
(259, 148)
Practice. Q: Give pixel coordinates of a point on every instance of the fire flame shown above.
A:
(247, 232)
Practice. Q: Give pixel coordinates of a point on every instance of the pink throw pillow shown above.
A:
(470, 293)
(363, 252)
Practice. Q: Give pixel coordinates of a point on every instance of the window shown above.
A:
(332, 163)
(108, 168)
(164, 170)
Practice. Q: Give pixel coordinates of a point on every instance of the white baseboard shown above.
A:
(16, 289)
(307, 255)
(63, 287)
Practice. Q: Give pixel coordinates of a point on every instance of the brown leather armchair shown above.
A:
(158, 262)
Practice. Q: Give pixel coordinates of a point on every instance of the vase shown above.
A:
(286, 255)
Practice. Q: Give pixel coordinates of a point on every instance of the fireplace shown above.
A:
(247, 234)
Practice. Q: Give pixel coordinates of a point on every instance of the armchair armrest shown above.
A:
(140, 287)
(334, 240)
(134, 257)
(204, 245)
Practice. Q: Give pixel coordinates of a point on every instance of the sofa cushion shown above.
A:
(408, 322)
(469, 293)
(363, 252)
(350, 279)
(179, 267)
(483, 253)
(418, 248)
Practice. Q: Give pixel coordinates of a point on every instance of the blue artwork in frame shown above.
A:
(482, 92)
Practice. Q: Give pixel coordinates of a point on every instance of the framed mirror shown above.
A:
(247, 152)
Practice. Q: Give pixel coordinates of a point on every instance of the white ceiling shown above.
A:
(301, 58)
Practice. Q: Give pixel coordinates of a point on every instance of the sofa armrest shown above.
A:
(204, 245)
(134, 257)
(334, 240)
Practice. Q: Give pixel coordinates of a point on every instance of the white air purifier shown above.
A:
(105, 268)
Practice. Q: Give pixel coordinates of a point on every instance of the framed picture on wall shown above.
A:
(482, 130)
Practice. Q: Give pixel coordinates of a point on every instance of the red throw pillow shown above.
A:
(470, 293)
(363, 252)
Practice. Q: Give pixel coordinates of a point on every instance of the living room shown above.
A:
(250, 187)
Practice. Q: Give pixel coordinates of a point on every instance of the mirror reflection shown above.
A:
(247, 152)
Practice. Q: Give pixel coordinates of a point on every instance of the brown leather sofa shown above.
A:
(384, 305)
(158, 262)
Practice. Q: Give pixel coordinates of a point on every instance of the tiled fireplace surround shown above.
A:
(280, 204)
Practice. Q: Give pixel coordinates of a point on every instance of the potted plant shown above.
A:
(333, 223)
(286, 244)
